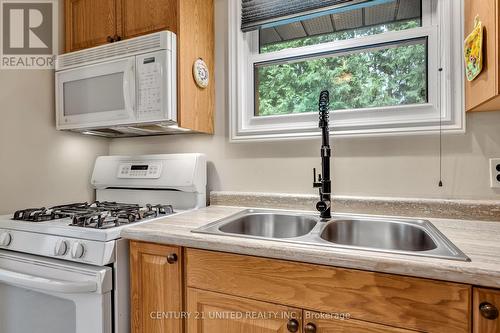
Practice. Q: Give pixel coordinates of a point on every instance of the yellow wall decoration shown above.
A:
(473, 51)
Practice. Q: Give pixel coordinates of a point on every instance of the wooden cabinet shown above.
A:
(226, 292)
(95, 22)
(314, 322)
(156, 283)
(485, 313)
(89, 23)
(215, 313)
(483, 93)
(392, 300)
(139, 17)
(196, 39)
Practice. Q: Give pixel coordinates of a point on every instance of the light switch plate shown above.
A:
(495, 172)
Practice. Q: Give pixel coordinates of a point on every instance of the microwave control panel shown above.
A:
(150, 85)
(148, 170)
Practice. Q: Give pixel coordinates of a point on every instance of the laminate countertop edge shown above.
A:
(479, 240)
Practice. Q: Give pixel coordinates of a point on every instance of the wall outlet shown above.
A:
(495, 172)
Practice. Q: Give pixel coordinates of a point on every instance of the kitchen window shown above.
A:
(391, 66)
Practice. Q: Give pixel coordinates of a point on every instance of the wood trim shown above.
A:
(327, 323)
(184, 288)
(481, 324)
(492, 104)
(67, 27)
(119, 17)
(156, 285)
(399, 301)
(195, 39)
(497, 45)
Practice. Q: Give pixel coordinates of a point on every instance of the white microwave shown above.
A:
(125, 88)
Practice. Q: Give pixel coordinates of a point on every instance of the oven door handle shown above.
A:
(51, 285)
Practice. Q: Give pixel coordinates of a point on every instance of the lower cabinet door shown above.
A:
(211, 312)
(486, 304)
(156, 288)
(314, 322)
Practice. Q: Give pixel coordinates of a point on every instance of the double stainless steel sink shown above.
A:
(360, 232)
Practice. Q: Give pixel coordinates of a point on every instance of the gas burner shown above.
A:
(98, 215)
(48, 214)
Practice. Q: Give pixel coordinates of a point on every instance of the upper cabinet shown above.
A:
(483, 93)
(95, 22)
(141, 17)
(90, 23)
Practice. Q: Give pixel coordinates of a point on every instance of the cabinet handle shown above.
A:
(292, 326)
(488, 311)
(172, 258)
(117, 38)
(110, 39)
(310, 328)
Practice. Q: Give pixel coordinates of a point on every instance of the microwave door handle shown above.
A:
(127, 90)
(39, 283)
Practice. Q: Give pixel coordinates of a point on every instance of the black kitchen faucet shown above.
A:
(323, 181)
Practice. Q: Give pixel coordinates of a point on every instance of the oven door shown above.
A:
(94, 96)
(51, 296)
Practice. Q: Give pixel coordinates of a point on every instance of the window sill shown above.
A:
(314, 133)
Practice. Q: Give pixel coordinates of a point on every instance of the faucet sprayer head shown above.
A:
(324, 105)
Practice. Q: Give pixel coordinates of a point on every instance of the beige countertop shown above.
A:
(478, 239)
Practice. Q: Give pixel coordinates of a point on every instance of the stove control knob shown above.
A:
(77, 250)
(5, 239)
(61, 248)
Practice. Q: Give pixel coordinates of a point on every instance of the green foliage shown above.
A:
(395, 75)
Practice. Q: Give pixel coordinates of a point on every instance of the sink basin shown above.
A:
(379, 234)
(270, 225)
(357, 232)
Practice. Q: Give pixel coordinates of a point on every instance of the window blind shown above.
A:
(258, 14)
(350, 19)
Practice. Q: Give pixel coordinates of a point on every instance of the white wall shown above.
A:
(39, 165)
(391, 166)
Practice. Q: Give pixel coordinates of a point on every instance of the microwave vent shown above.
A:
(134, 130)
(126, 48)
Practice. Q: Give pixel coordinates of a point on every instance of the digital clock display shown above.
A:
(139, 167)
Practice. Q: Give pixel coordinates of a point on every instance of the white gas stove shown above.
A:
(92, 260)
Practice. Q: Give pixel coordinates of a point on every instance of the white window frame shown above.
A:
(442, 25)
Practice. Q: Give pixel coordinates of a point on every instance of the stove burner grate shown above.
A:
(98, 215)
